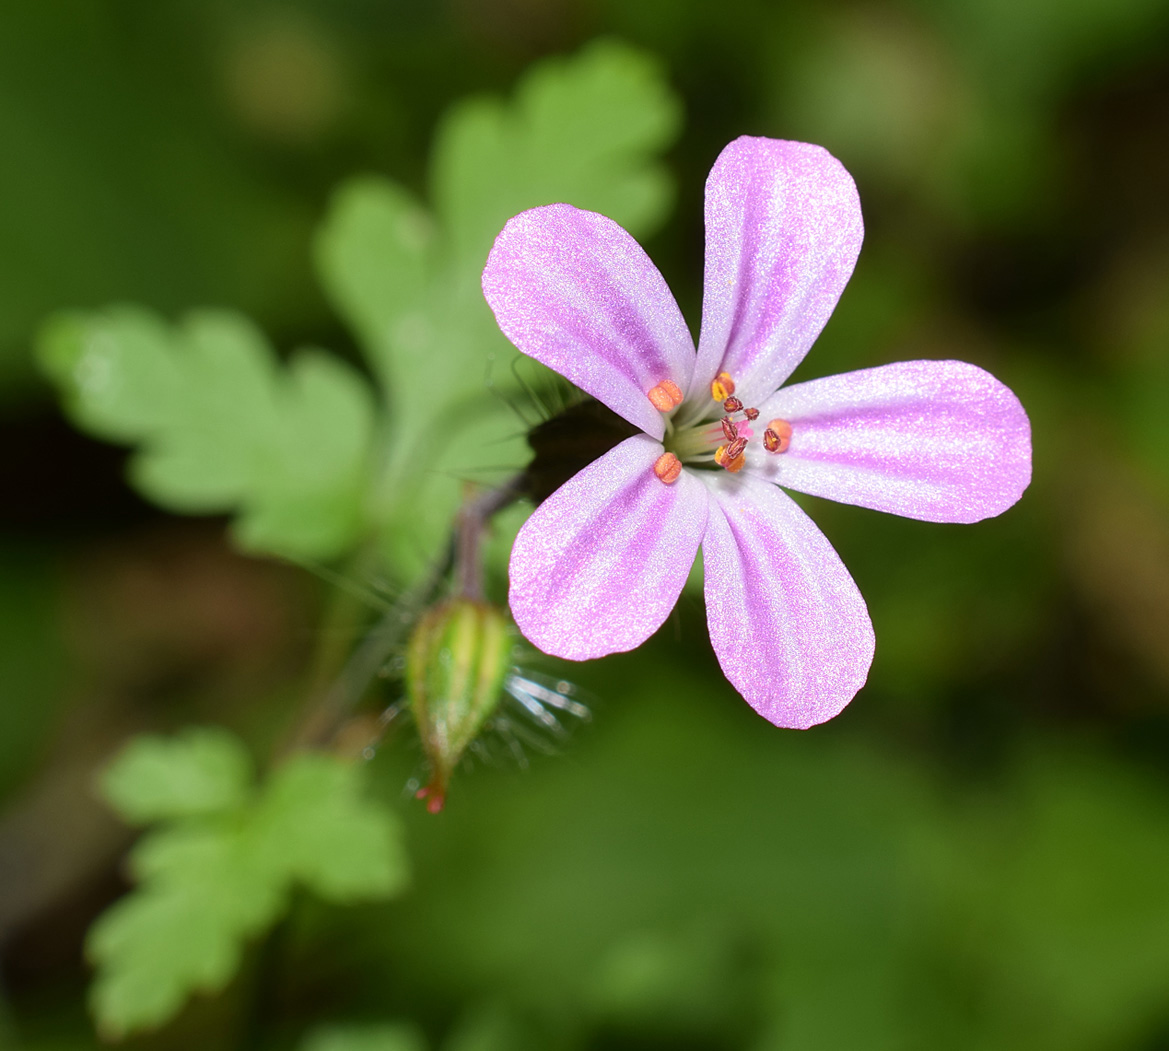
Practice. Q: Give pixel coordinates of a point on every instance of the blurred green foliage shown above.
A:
(221, 867)
(972, 856)
(222, 427)
(365, 1038)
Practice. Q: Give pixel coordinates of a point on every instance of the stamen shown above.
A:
(668, 468)
(736, 448)
(722, 386)
(751, 414)
(666, 396)
(778, 436)
(734, 464)
(730, 429)
(732, 405)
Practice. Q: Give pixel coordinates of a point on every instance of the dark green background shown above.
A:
(975, 855)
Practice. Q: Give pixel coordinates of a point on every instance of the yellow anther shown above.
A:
(668, 467)
(778, 436)
(666, 396)
(722, 386)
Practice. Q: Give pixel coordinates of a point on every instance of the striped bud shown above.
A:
(456, 661)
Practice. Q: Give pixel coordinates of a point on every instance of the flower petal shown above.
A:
(576, 292)
(783, 230)
(942, 441)
(788, 624)
(599, 565)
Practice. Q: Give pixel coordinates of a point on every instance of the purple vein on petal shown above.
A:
(573, 290)
(788, 624)
(942, 441)
(783, 229)
(599, 564)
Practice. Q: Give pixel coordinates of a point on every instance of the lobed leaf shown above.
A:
(375, 255)
(200, 771)
(314, 825)
(584, 131)
(220, 425)
(184, 930)
(216, 876)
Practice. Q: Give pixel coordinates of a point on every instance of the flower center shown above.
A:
(719, 438)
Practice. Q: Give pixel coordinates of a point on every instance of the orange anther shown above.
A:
(778, 436)
(722, 386)
(668, 467)
(734, 464)
(666, 396)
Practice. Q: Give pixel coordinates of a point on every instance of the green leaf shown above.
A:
(375, 255)
(392, 1037)
(314, 823)
(201, 771)
(582, 130)
(184, 931)
(220, 425)
(210, 882)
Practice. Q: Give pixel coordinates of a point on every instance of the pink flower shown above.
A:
(599, 564)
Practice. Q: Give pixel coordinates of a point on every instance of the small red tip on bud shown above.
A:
(729, 428)
(457, 658)
(667, 468)
(435, 798)
(722, 386)
(751, 414)
(778, 436)
(732, 405)
(666, 396)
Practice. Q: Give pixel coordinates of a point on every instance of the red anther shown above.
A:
(735, 449)
(770, 440)
(665, 396)
(729, 428)
(732, 404)
(668, 467)
(751, 414)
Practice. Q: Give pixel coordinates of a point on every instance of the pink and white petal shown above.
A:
(790, 629)
(943, 441)
(783, 231)
(573, 290)
(599, 565)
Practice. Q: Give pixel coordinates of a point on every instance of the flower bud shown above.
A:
(456, 661)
